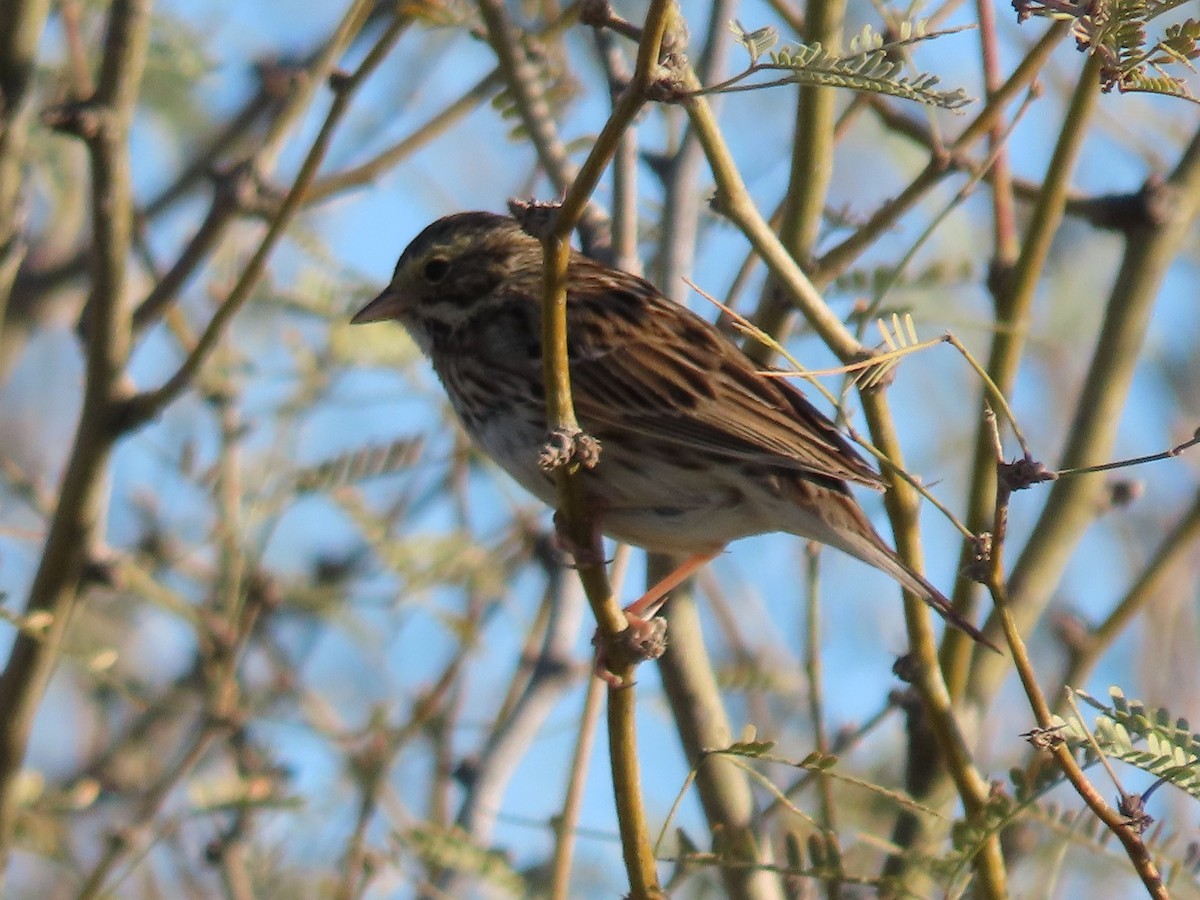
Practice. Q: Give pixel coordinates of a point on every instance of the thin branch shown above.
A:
(507, 743)
(1014, 301)
(1134, 461)
(364, 173)
(568, 819)
(1176, 547)
(141, 408)
(104, 125)
(733, 199)
(1070, 506)
(123, 841)
(1118, 824)
(577, 520)
(20, 33)
(524, 83)
(811, 171)
(816, 699)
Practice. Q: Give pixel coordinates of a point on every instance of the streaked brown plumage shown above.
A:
(698, 447)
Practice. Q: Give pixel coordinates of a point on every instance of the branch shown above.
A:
(901, 500)
(810, 175)
(1014, 302)
(1117, 823)
(524, 83)
(20, 31)
(103, 122)
(143, 407)
(1070, 506)
(577, 520)
(1176, 547)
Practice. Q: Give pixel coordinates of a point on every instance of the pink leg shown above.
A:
(645, 637)
(651, 601)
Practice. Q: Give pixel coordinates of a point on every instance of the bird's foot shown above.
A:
(641, 640)
(646, 635)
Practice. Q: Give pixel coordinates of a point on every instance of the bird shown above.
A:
(698, 446)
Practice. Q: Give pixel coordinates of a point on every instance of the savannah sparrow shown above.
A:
(698, 447)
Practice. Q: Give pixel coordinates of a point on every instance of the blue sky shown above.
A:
(477, 166)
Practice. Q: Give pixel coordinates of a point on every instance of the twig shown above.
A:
(734, 201)
(840, 257)
(1014, 300)
(810, 172)
(994, 395)
(816, 699)
(1135, 461)
(1120, 826)
(142, 407)
(842, 744)
(682, 194)
(1005, 245)
(125, 840)
(1174, 549)
(623, 252)
(510, 737)
(103, 123)
(577, 520)
(568, 819)
(363, 173)
(525, 85)
(20, 34)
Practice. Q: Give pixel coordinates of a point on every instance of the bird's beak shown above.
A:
(389, 305)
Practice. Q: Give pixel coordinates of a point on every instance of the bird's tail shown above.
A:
(935, 599)
(864, 543)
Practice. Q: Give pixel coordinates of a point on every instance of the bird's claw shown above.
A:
(643, 639)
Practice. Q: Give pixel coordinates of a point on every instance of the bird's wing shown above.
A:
(641, 362)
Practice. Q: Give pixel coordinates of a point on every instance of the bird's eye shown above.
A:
(435, 269)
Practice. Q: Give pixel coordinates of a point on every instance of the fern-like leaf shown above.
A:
(369, 462)
(1180, 43)
(1169, 749)
(1140, 82)
(873, 65)
(1115, 30)
(452, 848)
(756, 42)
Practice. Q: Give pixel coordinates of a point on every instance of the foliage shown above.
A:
(873, 65)
(274, 628)
(1171, 751)
(1116, 31)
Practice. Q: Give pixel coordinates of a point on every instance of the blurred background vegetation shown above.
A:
(275, 629)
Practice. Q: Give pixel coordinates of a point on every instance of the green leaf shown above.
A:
(357, 465)
(1149, 739)
(873, 65)
(749, 749)
(452, 848)
(756, 42)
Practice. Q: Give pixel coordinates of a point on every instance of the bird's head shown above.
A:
(451, 273)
